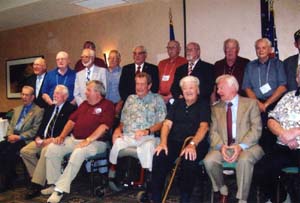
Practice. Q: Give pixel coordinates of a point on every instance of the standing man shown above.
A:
(37, 80)
(98, 61)
(265, 81)
(167, 68)
(113, 75)
(234, 134)
(292, 63)
(63, 75)
(22, 128)
(91, 72)
(195, 67)
(89, 125)
(54, 120)
(127, 80)
(232, 64)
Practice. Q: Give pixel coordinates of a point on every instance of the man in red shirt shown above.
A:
(167, 68)
(88, 124)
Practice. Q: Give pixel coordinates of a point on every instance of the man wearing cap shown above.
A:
(292, 63)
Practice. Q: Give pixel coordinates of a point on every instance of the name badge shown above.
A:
(294, 116)
(165, 78)
(265, 88)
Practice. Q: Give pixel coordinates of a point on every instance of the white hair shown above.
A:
(231, 81)
(189, 79)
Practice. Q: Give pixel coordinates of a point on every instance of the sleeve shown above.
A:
(155, 79)
(161, 109)
(214, 136)
(46, 85)
(175, 89)
(109, 114)
(281, 74)
(74, 116)
(171, 112)
(205, 112)
(275, 113)
(122, 84)
(36, 120)
(246, 80)
(126, 110)
(77, 95)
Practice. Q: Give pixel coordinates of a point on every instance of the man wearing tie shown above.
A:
(127, 79)
(54, 120)
(91, 72)
(195, 67)
(22, 128)
(37, 79)
(235, 130)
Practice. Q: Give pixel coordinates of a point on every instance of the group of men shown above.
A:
(203, 101)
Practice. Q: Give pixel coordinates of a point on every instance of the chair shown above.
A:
(94, 164)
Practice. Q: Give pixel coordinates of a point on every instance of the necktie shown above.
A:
(88, 75)
(138, 70)
(21, 118)
(229, 123)
(190, 68)
(52, 123)
(297, 93)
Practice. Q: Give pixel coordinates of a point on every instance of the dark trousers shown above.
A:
(267, 170)
(163, 164)
(9, 153)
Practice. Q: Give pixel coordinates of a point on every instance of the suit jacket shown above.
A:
(80, 82)
(290, 66)
(62, 118)
(127, 82)
(31, 81)
(203, 71)
(248, 125)
(31, 122)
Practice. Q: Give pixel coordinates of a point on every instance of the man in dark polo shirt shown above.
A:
(188, 116)
(89, 124)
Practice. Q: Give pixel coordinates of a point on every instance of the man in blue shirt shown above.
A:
(113, 74)
(61, 75)
(265, 81)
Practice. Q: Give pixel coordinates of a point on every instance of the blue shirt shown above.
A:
(54, 78)
(258, 74)
(112, 86)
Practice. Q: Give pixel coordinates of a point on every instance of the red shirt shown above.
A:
(167, 70)
(88, 118)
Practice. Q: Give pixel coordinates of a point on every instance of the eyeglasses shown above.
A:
(139, 53)
(172, 47)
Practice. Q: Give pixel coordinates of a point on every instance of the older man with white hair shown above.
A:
(235, 130)
(188, 116)
(63, 75)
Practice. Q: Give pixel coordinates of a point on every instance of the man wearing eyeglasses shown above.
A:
(91, 72)
(127, 82)
(167, 68)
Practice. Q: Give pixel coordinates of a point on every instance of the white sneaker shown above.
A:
(55, 197)
(48, 191)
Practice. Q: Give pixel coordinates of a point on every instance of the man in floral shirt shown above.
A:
(284, 123)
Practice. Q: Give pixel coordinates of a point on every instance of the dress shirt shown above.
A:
(38, 84)
(112, 86)
(141, 69)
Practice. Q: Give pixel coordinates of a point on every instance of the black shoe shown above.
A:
(33, 191)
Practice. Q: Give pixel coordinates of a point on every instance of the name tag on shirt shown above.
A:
(265, 88)
(165, 78)
(294, 116)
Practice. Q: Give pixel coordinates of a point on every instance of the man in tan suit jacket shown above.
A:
(245, 132)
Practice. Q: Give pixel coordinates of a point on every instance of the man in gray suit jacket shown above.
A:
(235, 130)
(22, 128)
(91, 72)
(292, 63)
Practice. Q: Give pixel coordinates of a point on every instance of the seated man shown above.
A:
(188, 116)
(284, 124)
(22, 128)
(88, 124)
(235, 130)
(54, 120)
(141, 117)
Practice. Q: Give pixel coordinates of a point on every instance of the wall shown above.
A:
(119, 28)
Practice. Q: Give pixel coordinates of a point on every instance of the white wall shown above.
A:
(210, 22)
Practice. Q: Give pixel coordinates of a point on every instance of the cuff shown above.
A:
(244, 146)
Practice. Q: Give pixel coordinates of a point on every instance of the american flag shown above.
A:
(172, 35)
(268, 28)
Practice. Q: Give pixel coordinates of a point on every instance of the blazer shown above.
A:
(80, 82)
(31, 81)
(62, 118)
(249, 126)
(127, 79)
(203, 71)
(31, 122)
(290, 66)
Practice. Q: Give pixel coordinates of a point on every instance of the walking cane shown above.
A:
(174, 170)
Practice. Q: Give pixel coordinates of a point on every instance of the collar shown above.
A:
(234, 101)
(91, 68)
(142, 66)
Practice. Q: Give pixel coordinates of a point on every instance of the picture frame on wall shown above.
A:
(17, 72)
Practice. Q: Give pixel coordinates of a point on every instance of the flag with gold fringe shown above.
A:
(172, 35)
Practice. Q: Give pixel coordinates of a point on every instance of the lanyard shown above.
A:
(267, 76)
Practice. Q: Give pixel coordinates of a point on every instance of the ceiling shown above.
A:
(20, 13)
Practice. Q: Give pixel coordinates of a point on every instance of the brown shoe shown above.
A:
(223, 198)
